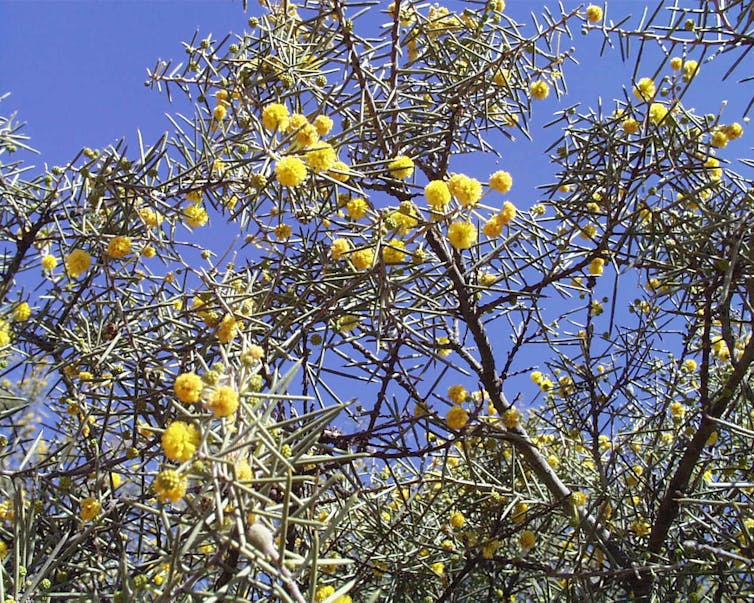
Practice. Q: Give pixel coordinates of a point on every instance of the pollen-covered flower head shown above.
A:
(188, 387)
(501, 181)
(275, 117)
(290, 171)
(462, 235)
(402, 167)
(170, 485)
(437, 194)
(90, 508)
(593, 13)
(465, 189)
(77, 263)
(119, 247)
(540, 90)
(321, 157)
(457, 417)
(180, 441)
(644, 89)
(223, 401)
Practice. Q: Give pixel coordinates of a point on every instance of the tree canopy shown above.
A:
(302, 349)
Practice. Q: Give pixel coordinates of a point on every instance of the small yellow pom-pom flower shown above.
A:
(402, 167)
(22, 312)
(188, 387)
(363, 258)
(437, 194)
(501, 181)
(593, 13)
(77, 263)
(466, 190)
(719, 139)
(630, 125)
(180, 441)
(3, 549)
(438, 568)
(195, 215)
(49, 262)
(227, 329)
(734, 130)
(457, 520)
(457, 394)
(519, 512)
(219, 112)
(90, 508)
(690, 69)
(119, 247)
(290, 171)
(357, 208)
(493, 227)
(282, 232)
(657, 112)
(508, 213)
(275, 117)
(170, 485)
(644, 89)
(596, 266)
(323, 124)
(321, 157)
(339, 172)
(511, 418)
(339, 248)
(457, 417)
(223, 402)
(689, 365)
(393, 252)
(540, 90)
(527, 540)
(150, 217)
(676, 63)
(462, 235)
(323, 592)
(677, 410)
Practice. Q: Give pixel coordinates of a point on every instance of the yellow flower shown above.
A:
(223, 401)
(119, 247)
(593, 13)
(219, 112)
(690, 69)
(462, 235)
(689, 365)
(363, 258)
(282, 232)
(630, 125)
(657, 112)
(393, 252)
(402, 167)
(457, 394)
(170, 485)
(467, 190)
(320, 158)
(306, 133)
(734, 130)
(676, 63)
(148, 251)
(490, 548)
(443, 346)
(644, 89)
(195, 215)
(508, 213)
(519, 512)
(501, 181)
(339, 172)
(357, 208)
(578, 499)
(438, 568)
(227, 329)
(22, 312)
(49, 262)
(537, 377)
(77, 263)
(323, 592)
(3, 549)
(339, 247)
(719, 139)
(457, 520)
(540, 90)
(437, 194)
(290, 171)
(596, 266)
(511, 417)
(180, 441)
(457, 418)
(90, 508)
(677, 410)
(713, 170)
(527, 540)
(323, 124)
(188, 387)
(275, 117)
(640, 527)
(243, 470)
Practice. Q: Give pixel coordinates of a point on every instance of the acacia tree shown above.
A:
(384, 381)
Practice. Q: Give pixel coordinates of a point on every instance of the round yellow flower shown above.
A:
(457, 417)
(511, 417)
(644, 89)
(357, 208)
(540, 90)
(195, 215)
(462, 235)
(630, 125)
(223, 401)
(119, 247)
(596, 266)
(22, 312)
(363, 258)
(734, 130)
(339, 248)
(188, 387)
(457, 520)
(519, 512)
(275, 117)
(393, 252)
(282, 232)
(527, 540)
(437, 194)
(466, 190)
(323, 592)
(290, 171)
(657, 112)
(321, 157)
(77, 263)
(49, 262)
(690, 69)
(219, 112)
(180, 441)
(90, 508)
(227, 329)
(719, 139)
(457, 394)
(402, 167)
(323, 124)
(501, 181)
(3, 549)
(170, 485)
(677, 410)
(593, 13)
(339, 172)
(676, 63)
